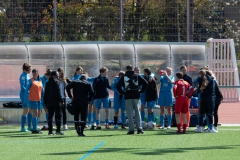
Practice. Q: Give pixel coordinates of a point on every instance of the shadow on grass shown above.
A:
(147, 151)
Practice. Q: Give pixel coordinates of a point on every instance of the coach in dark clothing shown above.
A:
(82, 95)
(186, 77)
(54, 102)
(131, 83)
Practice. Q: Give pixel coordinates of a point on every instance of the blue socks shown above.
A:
(34, 123)
(123, 117)
(161, 120)
(97, 122)
(29, 117)
(169, 120)
(47, 116)
(151, 117)
(106, 121)
(89, 116)
(143, 115)
(94, 117)
(23, 121)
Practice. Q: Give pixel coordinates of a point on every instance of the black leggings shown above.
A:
(217, 103)
(64, 113)
(58, 116)
(79, 125)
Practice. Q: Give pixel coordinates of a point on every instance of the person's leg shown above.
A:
(106, 106)
(34, 119)
(202, 112)
(161, 117)
(58, 118)
(116, 111)
(150, 106)
(188, 113)
(123, 114)
(217, 103)
(64, 115)
(89, 114)
(143, 103)
(98, 106)
(210, 110)
(24, 119)
(137, 115)
(94, 115)
(83, 119)
(50, 119)
(46, 111)
(76, 119)
(184, 110)
(169, 109)
(129, 109)
(177, 114)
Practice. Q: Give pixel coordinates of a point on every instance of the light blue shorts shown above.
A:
(35, 105)
(151, 104)
(99, 102)
(165, 99)
(24, 105)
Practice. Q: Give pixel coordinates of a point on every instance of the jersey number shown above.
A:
(183, 90)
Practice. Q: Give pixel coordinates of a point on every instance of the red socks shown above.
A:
(184, 128)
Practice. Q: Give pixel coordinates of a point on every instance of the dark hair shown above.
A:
(129, 67)
(148, 71)
(137, 68)
(36, 71)
(121, 73)
(179, 75)
(54, 73)
(78, 69)
(103, 69)
(26, 66)
(183, 66)
(48, 72)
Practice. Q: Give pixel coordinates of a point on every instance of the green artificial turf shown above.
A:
(154, 144)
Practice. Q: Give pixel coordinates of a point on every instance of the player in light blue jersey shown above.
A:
(44, 80)
(165, 96)
(26, 116)
(119, 102)
(77, 74)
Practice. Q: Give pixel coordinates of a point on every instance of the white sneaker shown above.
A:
(206, 130)
(161, 127)
(94, 124)
(46, 126)
(169, 127)
(199, 129)
(215, 128)
(65, 127)
(213, 131)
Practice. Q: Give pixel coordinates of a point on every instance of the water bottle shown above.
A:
(156, 120)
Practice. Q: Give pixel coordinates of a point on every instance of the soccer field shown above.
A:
(115, 144)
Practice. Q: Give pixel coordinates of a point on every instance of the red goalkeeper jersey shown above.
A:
(182, 88)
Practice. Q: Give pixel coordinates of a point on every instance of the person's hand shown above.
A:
(165, 73)
(150, 79)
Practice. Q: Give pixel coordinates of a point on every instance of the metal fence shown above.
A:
(118, 20)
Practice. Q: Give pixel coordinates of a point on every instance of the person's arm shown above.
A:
(168, 78)
(108, 86)
(90, 91)
(195, 82)
(23, 83)
(175, 90)
(57, 91)
(144, 84)
(113, 86)
(46, 93)
(190, 91)
(120, 84)
(68, 89)
(95, 83)
(29, 84)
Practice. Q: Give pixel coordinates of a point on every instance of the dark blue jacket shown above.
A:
(100, 87)
(210, 89)
(187, 78)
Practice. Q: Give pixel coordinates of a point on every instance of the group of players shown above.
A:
(39, 92)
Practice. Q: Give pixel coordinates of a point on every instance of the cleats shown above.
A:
(140, 131)
(92, 127)
(51, 134)
(199, 129)
(130, 132)
(161, 127)
(24, 130)
(123, 127)
(65, 127)
(60, 133)
(30, 128)
(37, 132)
(99, 128)
(212, 131)
(116, 127)
(107, 126)
(169, 127)
(81, 135)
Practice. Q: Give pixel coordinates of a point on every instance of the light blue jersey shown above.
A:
(24, 77)
(33, 104)
(165, 84)
(76, 77)
(90, 80)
